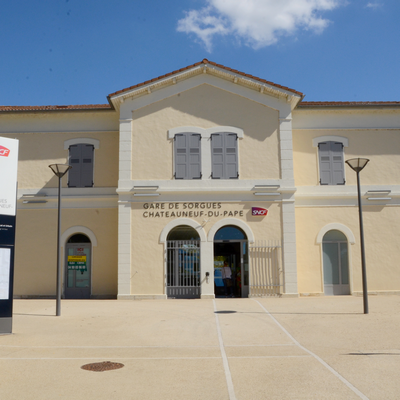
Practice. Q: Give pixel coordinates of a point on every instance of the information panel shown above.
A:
(8, 207)
(5, 264)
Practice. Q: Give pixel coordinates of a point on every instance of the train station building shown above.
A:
(206, 167)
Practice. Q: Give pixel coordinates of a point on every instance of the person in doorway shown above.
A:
(227, 278)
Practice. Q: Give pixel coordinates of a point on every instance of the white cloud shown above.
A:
(374, 5)
(259, 23)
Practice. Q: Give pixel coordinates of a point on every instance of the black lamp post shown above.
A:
(59, 170)
(358, 164)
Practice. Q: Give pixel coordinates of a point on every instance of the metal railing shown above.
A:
(183, 269)
(266, 275)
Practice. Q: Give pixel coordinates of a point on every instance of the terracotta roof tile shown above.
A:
(347, 103)
(93, 107)
(204, 61)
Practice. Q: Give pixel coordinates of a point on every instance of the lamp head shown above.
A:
(60, 169)
(357, 164)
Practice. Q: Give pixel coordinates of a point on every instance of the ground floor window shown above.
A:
(335, 263)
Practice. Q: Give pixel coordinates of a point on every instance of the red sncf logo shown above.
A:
(4, 152)
(258, 211)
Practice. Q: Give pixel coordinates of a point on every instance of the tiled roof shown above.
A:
(93, 107)
(205, 61)
(348, 103)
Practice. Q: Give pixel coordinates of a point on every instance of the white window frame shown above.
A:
(329, 138)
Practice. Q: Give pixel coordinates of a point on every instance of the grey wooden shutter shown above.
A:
(337, 163)
(231, 156)
(324, 163)
(194, 141)
(224, 156)
(81, 161)
(217, 155)
(181, 156)
(187, 156)
(331, 163)
(74, 174)
(87, 152)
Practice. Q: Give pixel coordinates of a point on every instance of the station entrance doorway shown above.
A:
(183, 263)
(231, 250)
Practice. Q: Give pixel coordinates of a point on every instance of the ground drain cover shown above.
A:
(102, 366)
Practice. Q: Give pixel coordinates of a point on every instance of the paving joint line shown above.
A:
(319, 359)
(228, 376)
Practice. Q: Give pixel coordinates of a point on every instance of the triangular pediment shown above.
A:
(207, 72)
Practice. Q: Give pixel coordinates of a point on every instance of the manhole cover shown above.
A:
(102, 366)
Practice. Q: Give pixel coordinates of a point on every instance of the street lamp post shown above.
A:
(357, 165)
(59, 170)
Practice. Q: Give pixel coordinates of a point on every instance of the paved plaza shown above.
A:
(266, 348)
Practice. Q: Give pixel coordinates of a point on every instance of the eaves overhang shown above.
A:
(66, 108)
(342, 105)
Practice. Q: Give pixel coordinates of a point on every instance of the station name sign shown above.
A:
(188, 210)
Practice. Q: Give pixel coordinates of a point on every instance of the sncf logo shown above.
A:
(4, 152)
(258, 211)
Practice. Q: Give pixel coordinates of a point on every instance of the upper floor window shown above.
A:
(81, 159)
(187, 156)
(331, 163)
(206, 153)
(331, 159)
(224, 156)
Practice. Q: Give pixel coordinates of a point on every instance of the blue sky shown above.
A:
(59, 52)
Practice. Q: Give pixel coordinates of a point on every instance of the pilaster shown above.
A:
(289, 257)
(124, 248)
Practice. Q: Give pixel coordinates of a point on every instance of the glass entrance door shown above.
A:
(230, 244)
(78, 271)
(236, 255)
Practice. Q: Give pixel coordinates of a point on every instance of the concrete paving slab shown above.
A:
(138, 379)
(244, 324)
(286, 378)
(52, 352)
(265, 351)
(311, 348)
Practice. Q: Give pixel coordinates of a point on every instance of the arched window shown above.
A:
(335, 263)
(183, 232)
(230, 233)
(78, 238)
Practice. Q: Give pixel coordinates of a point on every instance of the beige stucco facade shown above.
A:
(373, 134)
(259, 156)
(125, 218)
